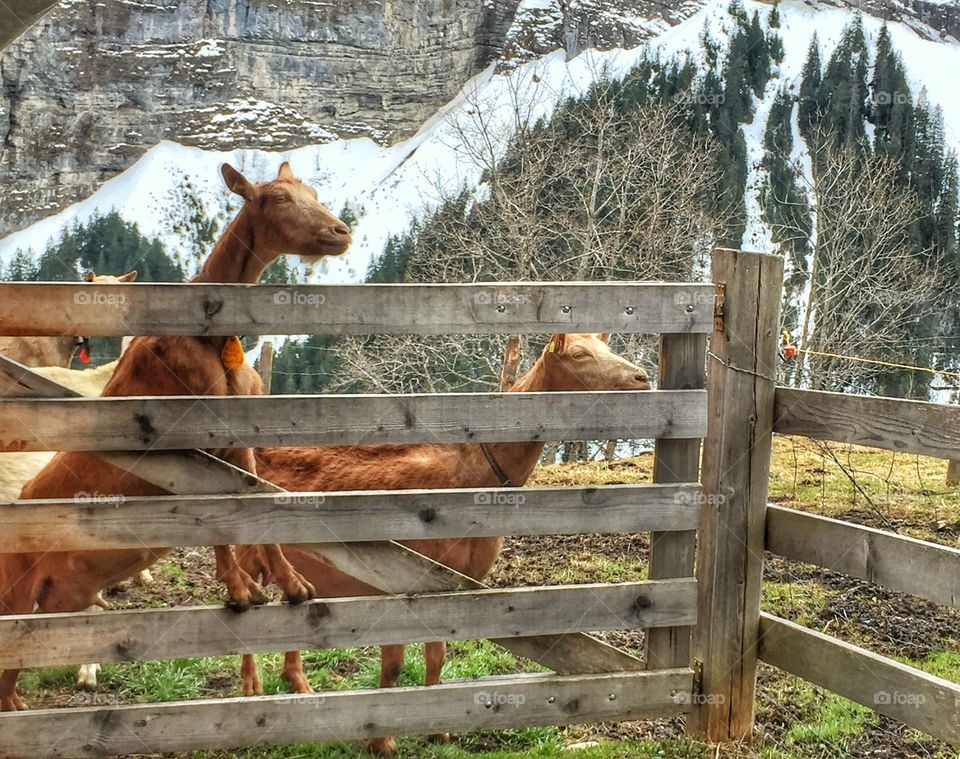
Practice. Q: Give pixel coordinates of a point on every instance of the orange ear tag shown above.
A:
(232, 355)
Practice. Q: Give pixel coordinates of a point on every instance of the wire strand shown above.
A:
(878, 362)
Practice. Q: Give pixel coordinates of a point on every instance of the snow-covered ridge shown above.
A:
(386, 186)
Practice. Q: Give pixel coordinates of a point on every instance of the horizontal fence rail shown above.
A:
(122, 636)
(918, 700)
(426, 309)
(896, 562)
(96, 521)
(894, 424)
(176, 422)
(485, 704)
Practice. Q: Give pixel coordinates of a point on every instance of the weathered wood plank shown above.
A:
(425, 309)
(953, 472)
(921, 701)
(389, 566)
(102, 522)
(485, 704)
(681, 367)
(394, 568)
(29, 384)
(894, 424)
(897, 562)
(164, 423)
(49, 639)
(265, 367)
(736, 466)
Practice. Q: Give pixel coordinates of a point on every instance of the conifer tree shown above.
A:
(22, 267)
(758, 55)
(809, 103)
(773, 20)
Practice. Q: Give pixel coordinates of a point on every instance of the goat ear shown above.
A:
(90, 277)
(130, 276)
(604, 336)
(557, 344)
(237, 182)
(285, 171)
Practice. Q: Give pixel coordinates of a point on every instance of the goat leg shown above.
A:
(296, 588)
(242, 590)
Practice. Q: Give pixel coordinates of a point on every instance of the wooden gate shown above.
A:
(216, 504)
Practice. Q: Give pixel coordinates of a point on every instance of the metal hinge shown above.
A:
(697, 678)
(719, 299)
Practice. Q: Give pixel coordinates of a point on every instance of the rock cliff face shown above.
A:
(541, 26)
(96, 83)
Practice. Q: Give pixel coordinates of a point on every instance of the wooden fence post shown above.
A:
(265, 366)
(953, 472)
(511, 363)
(736, 464)
(680, 367)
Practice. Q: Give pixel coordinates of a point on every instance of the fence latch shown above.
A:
(719, 298)
(697, 680)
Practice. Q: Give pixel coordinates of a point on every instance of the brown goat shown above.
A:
(279, 217)
(569, 363)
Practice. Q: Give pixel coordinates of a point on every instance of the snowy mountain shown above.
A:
(385, 186)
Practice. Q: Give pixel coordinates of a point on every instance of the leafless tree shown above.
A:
(595, 192)
(867, 283)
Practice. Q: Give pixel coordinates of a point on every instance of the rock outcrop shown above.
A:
(576, 25)
(87, 90)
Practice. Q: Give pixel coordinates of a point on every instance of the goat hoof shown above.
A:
(382, 747)
(12, 704)
(298, 597)
(238, 605)
(439, 738)
(299, 683)
(298, 589)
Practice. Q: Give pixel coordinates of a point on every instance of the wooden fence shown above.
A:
(902, 564)
(215, 504)
(700, 607)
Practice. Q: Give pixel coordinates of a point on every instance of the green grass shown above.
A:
(171, 680)
(831, 721)
(798, 601)
(532, 743)
(945, 664)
